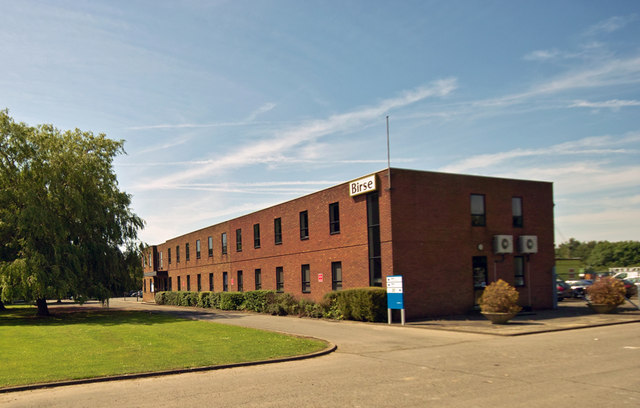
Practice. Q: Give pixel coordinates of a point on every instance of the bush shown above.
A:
(606, 291)
(283, 304)
(364, 304)
(258, 300)
(499, 297)
(231, 300)
(160, 298)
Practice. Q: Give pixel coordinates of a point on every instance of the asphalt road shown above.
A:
(391, 366)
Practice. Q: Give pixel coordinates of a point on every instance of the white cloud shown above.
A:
(614, 104)
(273, 147)
(610, 25)
(541, 55)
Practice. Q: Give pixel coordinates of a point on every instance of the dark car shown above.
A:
(579, 287)
(563, 290)
(630, 288)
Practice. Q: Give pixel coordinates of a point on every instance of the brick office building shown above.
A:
(448, 235)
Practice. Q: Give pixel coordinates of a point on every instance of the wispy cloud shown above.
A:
(261, 110)
(275, 145)
(610, 25)
(614, 104)
(541, 55)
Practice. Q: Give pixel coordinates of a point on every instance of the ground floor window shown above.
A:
(279, 279)
(188, 283)
(306, 279)
(336, 275)
(211, 282)
(518, 270)
(258, 276)
(199, 283)
(179, 287)
(479, 264)
(240, 281)
(225, 282)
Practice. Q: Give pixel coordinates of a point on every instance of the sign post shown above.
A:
(395, 296)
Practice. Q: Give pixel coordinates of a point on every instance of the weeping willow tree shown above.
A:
(65, 227)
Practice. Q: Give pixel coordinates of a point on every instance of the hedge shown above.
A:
(364, 304)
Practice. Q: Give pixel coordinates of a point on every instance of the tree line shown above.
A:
(601, 255)
(65, 227)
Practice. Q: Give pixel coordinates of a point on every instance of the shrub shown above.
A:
(283, 304)
(160, 298)
(606, 291)
(204, 300)
(214, 300)
(364, 304)
(258, 300)
(499, 297)
(231, 300)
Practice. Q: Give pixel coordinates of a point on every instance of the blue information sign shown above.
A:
(395, 295)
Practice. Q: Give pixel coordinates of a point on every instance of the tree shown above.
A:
(63, 220)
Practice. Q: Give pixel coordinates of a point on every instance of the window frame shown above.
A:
(519, 279)
(304, 225)
(277, 231)
(239, 240)
(210, 281)
(210, 246)
(199, 279)
(279, 279)
(186, 252)
(336, 284)
(516, 206)
(169, 255)
(240, 281)
(478, 219)
(305, 278)
(334, 218)
(257, 274)
(177, 254)
(198, 252)
(256, 236)
(223, 242)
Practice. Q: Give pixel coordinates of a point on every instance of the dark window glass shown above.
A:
(518, 270)
(334, 218)
(197, 249)
(336, 275)
(304, 225)
(179, 286)
(279, 279)
(277, 229)
(199, 282)
(188, 283)
(240, 281)
(258, 275)
(169, 255)
(516, 209)
(186, 251)
(210, 241)
(211, 282)
(306, 279)
(478, 217)
(256, 235)
(225, 282)
(170, 287)
(177, 253)
(373, 227)
(239, 240)
(223, 239)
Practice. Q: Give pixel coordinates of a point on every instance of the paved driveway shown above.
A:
(381, 366)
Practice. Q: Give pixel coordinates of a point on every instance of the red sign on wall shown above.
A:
(320, 277)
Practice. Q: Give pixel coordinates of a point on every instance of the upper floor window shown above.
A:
(256, 235)
(197, 249)
(177, 253)
(478, 217)
(161, 263)
(186, 251)
(304, 225)
(239, 240)
(334, 218)
(210, 246)
(516, 209)
(169, 255)
(223, 239)
(277, 230)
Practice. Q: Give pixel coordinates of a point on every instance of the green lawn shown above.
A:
(105, 342)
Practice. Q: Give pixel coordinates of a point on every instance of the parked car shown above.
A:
(579, 287)
(563, 290)
(630, 288)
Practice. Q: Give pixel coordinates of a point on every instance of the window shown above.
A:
(277, 230)
(240, 282)
(150, 260)
(239, 240)
(199, 283)
(161, 263)
(256, 235)
(177, 253)
(170, 287)
(279, 279)
(478, 218)
(188, 283)
(305, 273)
(373, 235)
(145, 286)
(179, 287)
(210, 246)
(186, 251)
(336, 275)
(197, 249)
(225, 282)
(516, 209)
(169, 255)
(304, 225)
(211, 282)
(258, 275)
(518, 270)
(223, 239)
(334, 218)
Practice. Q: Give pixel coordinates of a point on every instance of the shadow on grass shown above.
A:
(26, 316)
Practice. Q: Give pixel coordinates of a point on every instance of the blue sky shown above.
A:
(228, 107)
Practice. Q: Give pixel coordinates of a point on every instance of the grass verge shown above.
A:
(96, 343)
